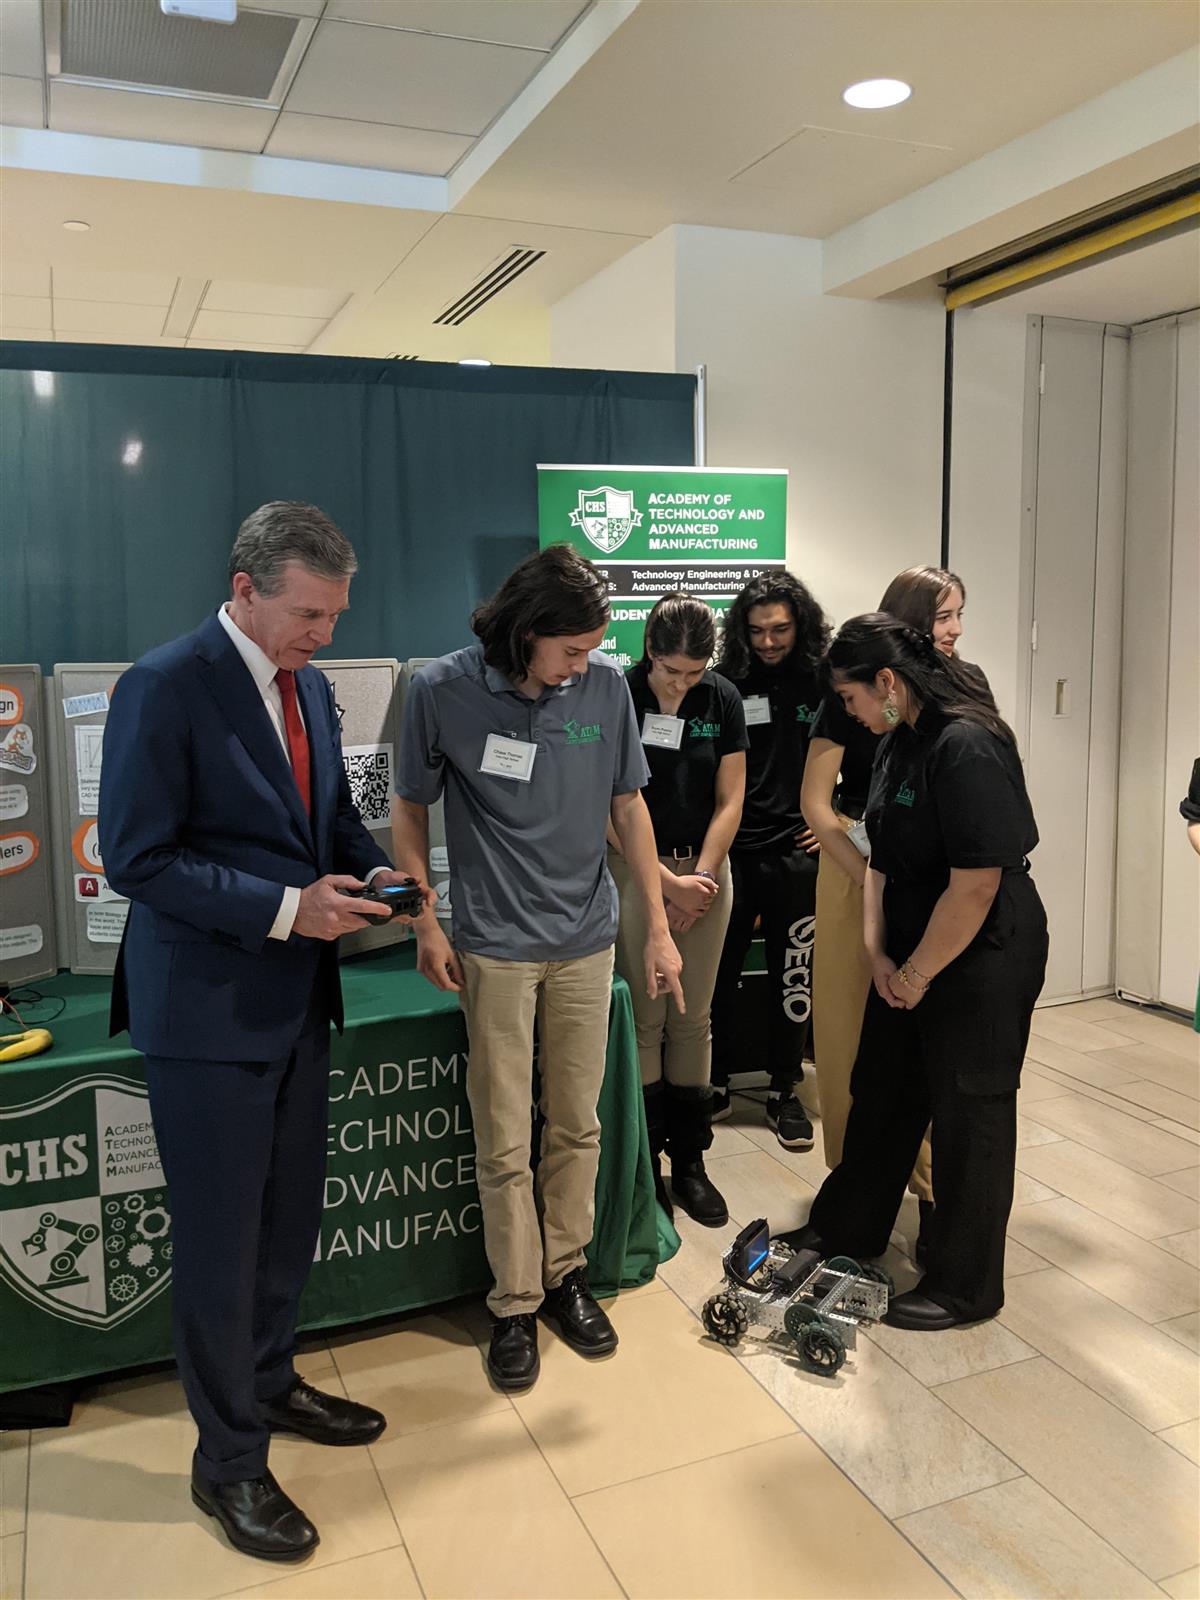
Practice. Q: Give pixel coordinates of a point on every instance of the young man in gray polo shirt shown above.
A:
(531, 737)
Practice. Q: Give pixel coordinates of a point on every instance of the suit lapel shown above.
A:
(231, 685)
(313, 696)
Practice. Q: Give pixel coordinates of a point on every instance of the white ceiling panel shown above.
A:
(38, 335)
(244, 344)
(274, 299)
(367, 144)
(120, 288)
(25, 311)
(412, 80)
(21, 38)
(159, 118)
(538, 24)
(17, 277)
(250, 327)
(95, 316)
(291, 8)
(21, 103)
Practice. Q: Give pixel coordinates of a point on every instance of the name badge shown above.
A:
(664, 731)
(508, 758)
(857, 836)
(758, 710)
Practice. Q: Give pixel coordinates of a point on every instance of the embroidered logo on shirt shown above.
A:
(905, 796)
(803, 714)
(581, 732)
(704, 730)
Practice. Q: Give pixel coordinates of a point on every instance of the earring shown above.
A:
(891, 713)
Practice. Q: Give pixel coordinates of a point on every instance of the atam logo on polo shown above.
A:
(607, 516)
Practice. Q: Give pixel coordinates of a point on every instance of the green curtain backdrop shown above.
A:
(124, 473)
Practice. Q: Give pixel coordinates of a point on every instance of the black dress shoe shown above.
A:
(258, 1518)
(513, 1361)
(804, 1237)
(323, 1418)
(920, 1314)
(697, 1194)
(580, 1320)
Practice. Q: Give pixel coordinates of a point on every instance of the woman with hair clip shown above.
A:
(833, 797)
(694, 739)
(956, 937)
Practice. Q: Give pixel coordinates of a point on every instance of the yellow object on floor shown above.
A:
(30, 1042)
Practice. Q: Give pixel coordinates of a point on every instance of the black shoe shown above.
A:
(697, 1194)
(921, 1248)
(722, 1104)
(920, 1314)
(804, 1237)
(323, 1418)
(512, 1359)
(580, 1320)
(790, 1120)
(258, 1518)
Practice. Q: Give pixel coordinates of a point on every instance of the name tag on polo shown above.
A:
(664, 731)
(758, 710)
(857, 836)
(508, 758)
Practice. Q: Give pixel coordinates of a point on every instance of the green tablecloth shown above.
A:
(85, 1244)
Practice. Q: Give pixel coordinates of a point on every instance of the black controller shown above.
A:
(403, 899)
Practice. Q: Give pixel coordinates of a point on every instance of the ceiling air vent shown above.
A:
(131, 44)
(394, 355)
(504, 273)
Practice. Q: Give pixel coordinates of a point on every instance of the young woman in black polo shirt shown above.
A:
(694, 738)
(837, 777)
(956, 936)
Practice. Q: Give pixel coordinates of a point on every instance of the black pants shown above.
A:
(954, 1062)
(243, 1149)
(781, 888)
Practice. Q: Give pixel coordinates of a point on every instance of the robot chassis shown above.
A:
(795, 1297)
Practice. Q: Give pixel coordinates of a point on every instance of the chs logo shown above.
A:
(608, 516)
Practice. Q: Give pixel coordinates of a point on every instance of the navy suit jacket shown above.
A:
(201, 826)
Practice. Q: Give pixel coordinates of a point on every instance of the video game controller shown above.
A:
(403, 899)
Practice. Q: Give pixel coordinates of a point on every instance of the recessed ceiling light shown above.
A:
(474, 361)
(75, 226)
(874, 94)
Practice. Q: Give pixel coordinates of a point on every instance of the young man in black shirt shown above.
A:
(775, 635)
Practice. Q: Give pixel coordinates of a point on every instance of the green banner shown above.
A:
(708, 530)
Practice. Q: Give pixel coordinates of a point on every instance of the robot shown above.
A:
(798, 1299)
(64, 1263)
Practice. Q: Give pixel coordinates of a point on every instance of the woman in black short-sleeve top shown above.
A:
(956, 936)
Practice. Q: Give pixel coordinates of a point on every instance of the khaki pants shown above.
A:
(676, 1047)
(570, 1001)
(841, 983)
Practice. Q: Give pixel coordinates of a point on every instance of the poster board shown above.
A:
(91, 916)
(364, 693)
(28, 944)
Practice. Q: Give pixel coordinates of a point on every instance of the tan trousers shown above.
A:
(570, 1001)
(841, 982)
(676, 1047)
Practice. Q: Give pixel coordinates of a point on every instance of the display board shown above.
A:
(28, 948)
(707, 530)
(364, 693)
(439, 856)
(91, 916)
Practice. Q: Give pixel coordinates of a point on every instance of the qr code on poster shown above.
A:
(369, 771)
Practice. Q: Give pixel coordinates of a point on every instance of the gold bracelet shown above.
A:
(907, 972)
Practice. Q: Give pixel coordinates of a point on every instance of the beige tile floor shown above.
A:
(1052, 1452)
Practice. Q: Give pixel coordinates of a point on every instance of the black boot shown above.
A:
(689, 1134)
(655, 1100)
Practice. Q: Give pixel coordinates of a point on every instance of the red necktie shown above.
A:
(296, 737)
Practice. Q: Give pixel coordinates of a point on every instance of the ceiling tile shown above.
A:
(273, 299)
(25, 311)
(411, 80)
(244, 325)
(291, 8)
(78, 336)
(367, 144)
(38, 335)
(21, 38)
(245, 344)
(94, 316)
(21, 103)
(500, 21)
(120, 288)
(161, 118)
(18, 278)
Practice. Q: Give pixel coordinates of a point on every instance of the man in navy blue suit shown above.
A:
(226, 818)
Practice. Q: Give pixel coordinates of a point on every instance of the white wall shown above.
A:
(846, 394)
(623, 319)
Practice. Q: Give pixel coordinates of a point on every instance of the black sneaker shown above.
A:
(722, 1104)
(790, 1120)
